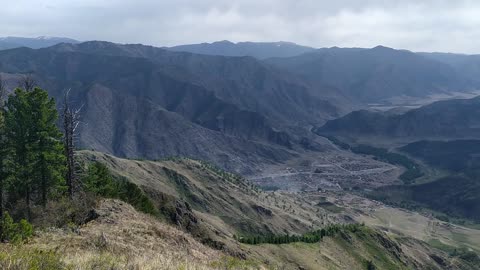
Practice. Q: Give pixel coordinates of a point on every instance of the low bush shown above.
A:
(101, 182)
(15, 232)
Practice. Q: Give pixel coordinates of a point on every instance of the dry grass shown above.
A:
(120, 238)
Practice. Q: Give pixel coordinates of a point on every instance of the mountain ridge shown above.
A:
(450, 119)
(260, 50)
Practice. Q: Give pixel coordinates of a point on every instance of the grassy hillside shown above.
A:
(215, 207)
(121, 238)
(118, 238)
(224, 201)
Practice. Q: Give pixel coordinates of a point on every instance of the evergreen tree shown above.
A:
(3, 151)
(99, 181)
(47, 144)
(18, 120)
(35, 142)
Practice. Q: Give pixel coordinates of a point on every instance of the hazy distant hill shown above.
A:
(467, 65)
(444, 119)
(377, 74)
(260, 50)
(34, 43)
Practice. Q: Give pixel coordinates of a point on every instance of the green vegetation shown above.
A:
(100, 181)
(413, 169)
(23, 258)
(15, 232)
(31, 158)
(311, 237)
(33, 186)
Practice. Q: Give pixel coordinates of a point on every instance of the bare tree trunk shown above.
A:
(70, 124)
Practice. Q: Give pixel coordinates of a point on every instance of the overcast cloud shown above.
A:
(431, 25)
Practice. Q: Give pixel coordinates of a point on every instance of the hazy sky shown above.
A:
(430, 25)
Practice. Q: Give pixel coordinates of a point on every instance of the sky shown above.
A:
(429, 25)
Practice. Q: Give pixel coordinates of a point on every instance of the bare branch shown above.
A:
(27, 82)
(70, 124)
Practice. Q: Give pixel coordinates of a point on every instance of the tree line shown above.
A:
(310, 237)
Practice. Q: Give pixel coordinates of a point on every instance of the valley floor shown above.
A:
(329, 170)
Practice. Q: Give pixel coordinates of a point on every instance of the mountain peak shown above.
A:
(223, 42)
(381, 47)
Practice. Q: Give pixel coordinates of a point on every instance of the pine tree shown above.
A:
(35, 141)
(18, 120)
(47, 144)
(3, 151)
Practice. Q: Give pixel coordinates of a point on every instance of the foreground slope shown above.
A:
(118, 238)
(214, 206)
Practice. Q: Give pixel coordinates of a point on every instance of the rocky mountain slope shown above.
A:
(154, 103)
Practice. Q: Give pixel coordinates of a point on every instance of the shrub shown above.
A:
(132, 194)
(100, 181)
(15, 232)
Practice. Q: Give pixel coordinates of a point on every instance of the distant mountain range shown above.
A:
(378, 74)
(230, 106)
(260, 50)
(147, 102)
(451, 119)
(34, 43)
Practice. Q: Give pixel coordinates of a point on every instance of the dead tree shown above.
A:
(27, 82)
(71, 121)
